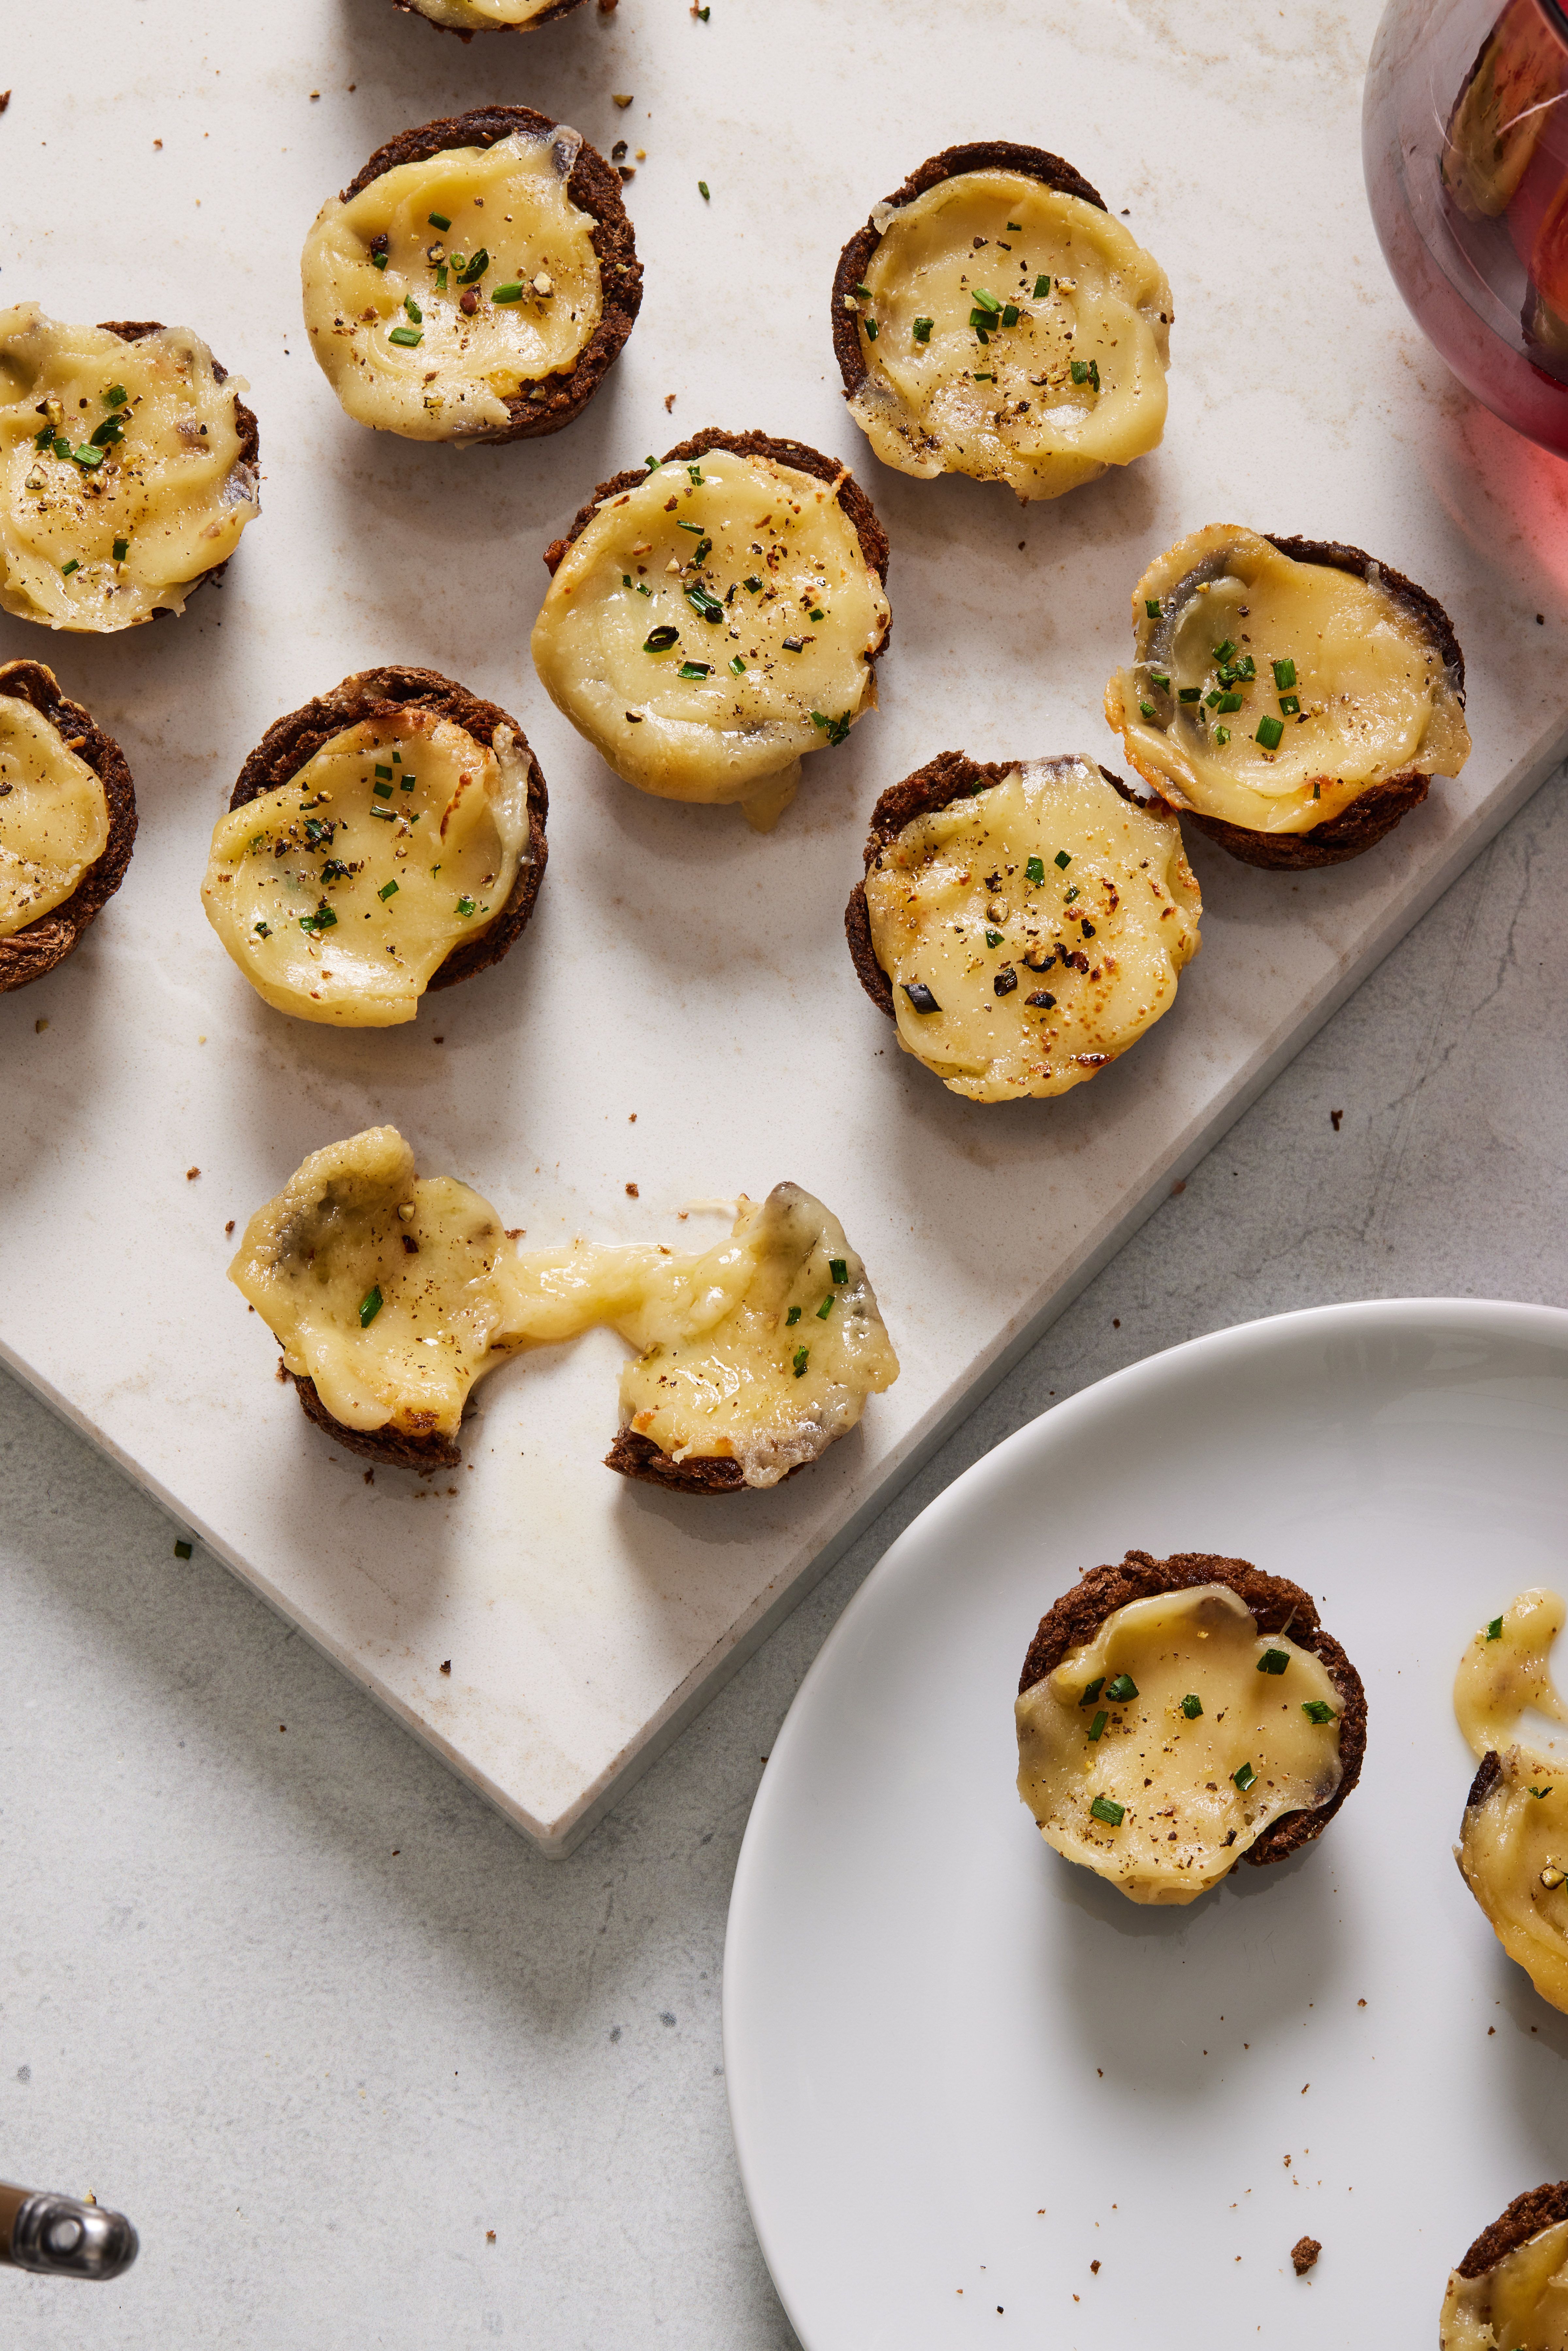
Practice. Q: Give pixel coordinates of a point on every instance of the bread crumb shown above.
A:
(623, 100)
(1334, 1118)
(230, 1226)
(157, 142)
(631, 1118)
(369, 1477)
(490, 2234)
(631, 1193)
(1361, 2003)
(446, 1669)
(192, 1174)
(1304, 2253)
(1094, 2269)
(39, 1026)
(5, 100)
(669, 403)
(315, 93)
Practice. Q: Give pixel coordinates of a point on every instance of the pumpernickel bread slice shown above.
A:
(397, 1448)
(1536, 2209)
(594, 187)
(1277, 1606)
(27, 953)
(292, 742)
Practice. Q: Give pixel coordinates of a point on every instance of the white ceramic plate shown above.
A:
(962, 2071)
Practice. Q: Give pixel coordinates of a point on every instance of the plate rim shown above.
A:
(1497, 1316)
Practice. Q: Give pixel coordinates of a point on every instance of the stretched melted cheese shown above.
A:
(727, 560)
(1513, 1847)
(394, 1293)
(54, 816)
(761, 1350)
(1520, 2304)
(482, 15)
(1184, 1820)
(1037, 984)
(166, 482)
(380, 1287)
(341, 893)
(1375, 698)
(395, 343)
(1075, 384)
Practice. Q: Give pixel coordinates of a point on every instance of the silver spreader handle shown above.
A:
(54, 2236)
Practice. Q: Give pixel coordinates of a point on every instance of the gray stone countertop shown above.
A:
(363, 2067)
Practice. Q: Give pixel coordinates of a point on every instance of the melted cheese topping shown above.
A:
(761, 1350)
(156, 473)
(1184, 1821)
(750, 575)
(378, 1287)
(482, 15)
(1513, 1847)
(1036, 984)
(341, 893)
(396, 343)
(54, 816)
(972, 371)
(1209, 722)
(1522, 2304)
(395, 1294)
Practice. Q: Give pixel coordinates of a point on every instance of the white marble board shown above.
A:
(166, 164)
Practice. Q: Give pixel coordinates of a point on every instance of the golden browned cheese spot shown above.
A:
(1521, 2304)
(1184, 1822)
(396, 344)
(1074, 383)
(174, 487)
(54, 816)
(340, 893)
(1041, 983)
(1513, 1847)
(1374, 697)
(760, 574)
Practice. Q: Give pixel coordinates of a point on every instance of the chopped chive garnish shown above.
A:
(695, 528)
(45, 439)
(826, 1308)
(981, 321)
(839, 1267)
(181, 1551)
(706, 606)
(920, 997)
(1146, 710)
(1102, 1809)
(1063, 860)
(1015, 224)
(115, 396)
(378, 261)
(659, 641)
(993, 938)
(1222, 735)
(388, 815)
(511, 292)
(923, 329)
(412, 307)
(1223, 653)
(737, 666)
(441, 279)
(407, 782)
(1543, 1792)
(702, 190)
(695, 669)
(438, 220)
(794, 645)
(1284, 674)
(754, 585)
(1092, 1692)
(388, 890)
(694, 474)
(476, 268)
(1244, 1777)
(871, 331)
(985, 301)
(1192, 694)
(121, 549)
(382, 792)
(1494, 1630)
(1035, 868)
(835, 729)
(1290, 704)
(865, 290)
(1079, 370)
(1098, 1725)
(1152, 607)
(66, 568)
(384, 772)
(1041, 288)
(984, 377)
(1269, 730)
(1191, 1705)
(793, 1315)
(1273, 1661)
(262, 930)
(1317, 1709)
(1009, 314)
(1227, 702)
(109, 431)
(1121, 1690)
(409, 337)
(803, 1357)
(370, 1307)
(816, 613)
(466, 906)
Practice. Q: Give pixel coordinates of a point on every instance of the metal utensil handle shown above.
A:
(57, 2237)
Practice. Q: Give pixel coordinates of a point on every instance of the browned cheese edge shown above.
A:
(38, 946)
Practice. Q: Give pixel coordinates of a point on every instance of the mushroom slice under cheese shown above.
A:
(712, 620)
(1159, 1751)
(751, 1357)
(1278, 683)
(128, 470)
(1510, 2291)
(992, 323)
(456, 290)
(1513, 1845)
(1024, 924)
(54, 815)
(341, 893)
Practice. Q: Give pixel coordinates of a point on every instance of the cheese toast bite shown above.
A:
(1513, 1841)
(1022, 922)
(994, 319)
(1177, 1716)
(467, 18)
(475, 282)
(129, 468)
(392, 1294)
(67, 822)
(1293, 698)
(1510, 2292)
(387, 837)
(715, 616)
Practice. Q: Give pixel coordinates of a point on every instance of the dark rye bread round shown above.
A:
(1536, 2209)
(950, 776)
(133, 330)
(639, 1456)
(27, 953)
(594, 187)
(1377, 810)
(425, 1451)
(467, 33)
(979, 155)
(291, 743)
(798, 454)
(1278, 1606)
